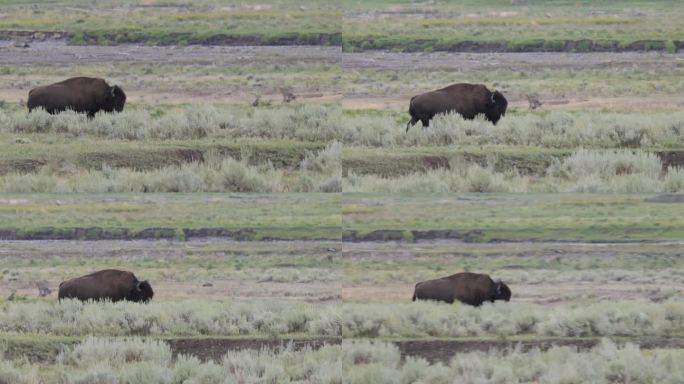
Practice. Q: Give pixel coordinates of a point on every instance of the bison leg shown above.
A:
(425, 121)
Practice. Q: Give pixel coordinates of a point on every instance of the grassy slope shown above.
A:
(293, 216)
(542, 24)
(489, 217)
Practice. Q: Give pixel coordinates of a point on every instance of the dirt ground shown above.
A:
(168, 257)
(60, 54)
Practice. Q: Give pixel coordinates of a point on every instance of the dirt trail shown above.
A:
(59, 53)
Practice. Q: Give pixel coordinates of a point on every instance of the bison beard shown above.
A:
(80, 94)
(468, 100)
(468, 288)
(109, 284)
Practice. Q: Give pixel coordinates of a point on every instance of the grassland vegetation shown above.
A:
(490, 217)
(542, 26)
(421, 319)
(381, 362)
(266, 318)
(617, 171)
(282, 149)
(179, 23)
(318, 172)
(317, 123)
(549, 130)
(174, 216)
(273, 318)
(352, 361)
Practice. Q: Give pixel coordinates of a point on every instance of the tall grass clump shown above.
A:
(585, 170)
(551, 130)
(322, 171)
(632, 319)
(72, 318)
(353, 361)
(301, 122)
(319, 172)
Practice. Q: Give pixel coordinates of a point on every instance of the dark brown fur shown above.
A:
(81, 94)
(468, 100)
(468, 288)
(108, 284)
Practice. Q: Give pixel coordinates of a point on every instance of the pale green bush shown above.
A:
(426, 319)
(367, 361)
(167, 318)
(320, 172)
(552, 129)
(620, 171)
(303, 122)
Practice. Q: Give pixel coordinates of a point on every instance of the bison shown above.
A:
(468, 100)
(468, 288)
(81, 94)
(109, 284)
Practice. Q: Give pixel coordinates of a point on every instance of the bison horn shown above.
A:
(137, 286)
(493, 99)
(112, 91)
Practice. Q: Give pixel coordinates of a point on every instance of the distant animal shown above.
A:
(468, 100)
(466, 287)
(81, 94)
(108, 284)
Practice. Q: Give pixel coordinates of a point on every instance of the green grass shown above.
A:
(515, 217)
(181, 23)
(543, 25)
(288, 216)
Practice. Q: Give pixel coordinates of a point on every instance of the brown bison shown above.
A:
(468, 100)
(81, 94)
(468, 288)
(109, 284)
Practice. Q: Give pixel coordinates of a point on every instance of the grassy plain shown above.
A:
(559, 25)
(512, 217)
(178, 22)
(97, 216)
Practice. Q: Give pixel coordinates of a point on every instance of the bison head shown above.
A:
(501, 291)
(115, 99)
(142, 292)
(496, 107)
